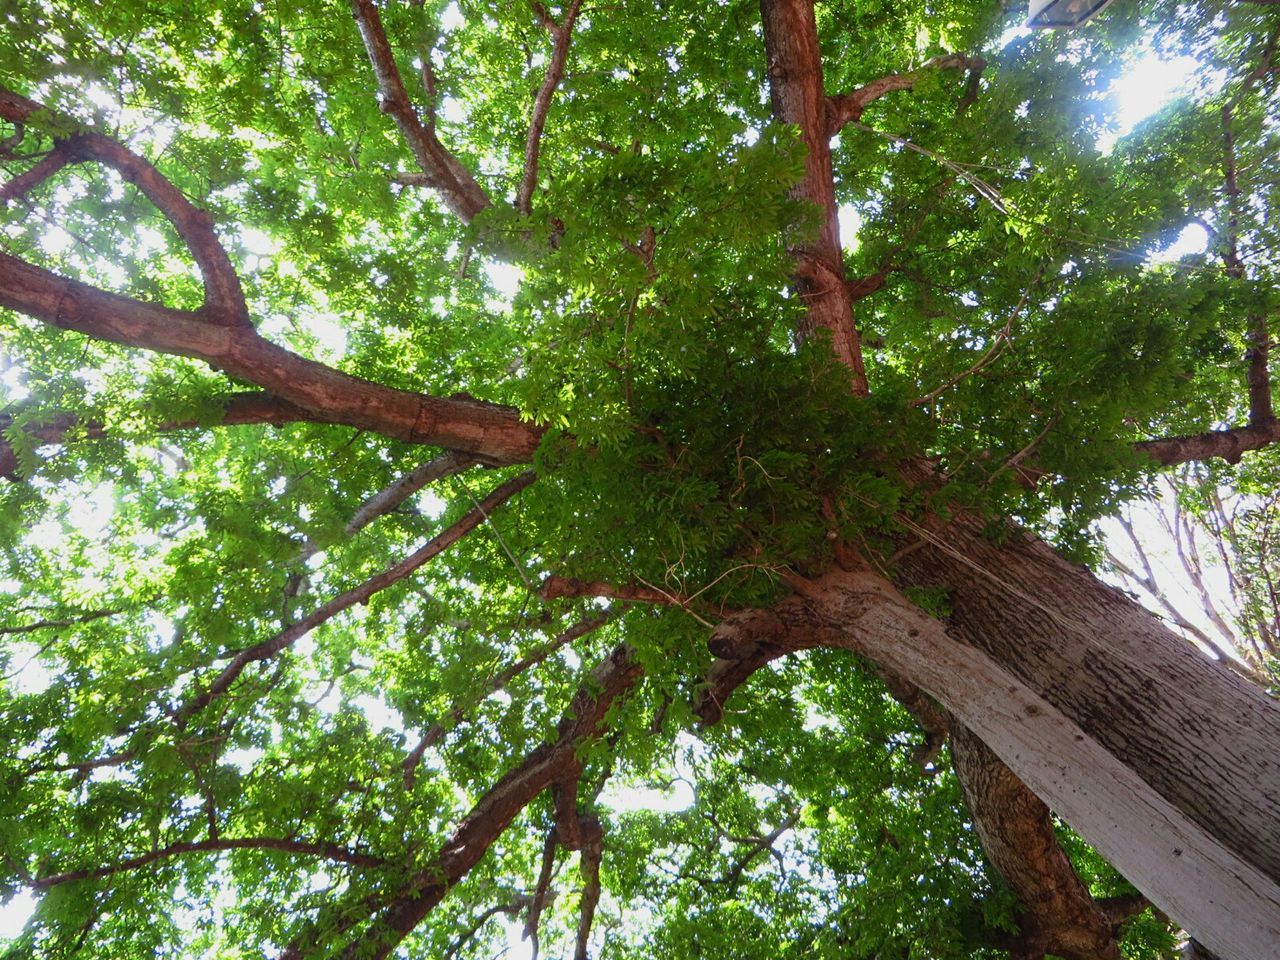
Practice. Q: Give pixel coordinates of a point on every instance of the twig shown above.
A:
(350, 598)
(991, 353)
(326, 851)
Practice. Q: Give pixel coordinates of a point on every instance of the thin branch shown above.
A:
(56, 624)
(556, 587)
(224, 298)
(241, 409)
(847, 108)
(326, 851)
(83, 767)
(997, 346)
(539, 898)
(461, 193)
(756, 847)
(1015, 461)
(397, 492)
(361, 594)
(497, 682)
(518, 903)
(542, 105)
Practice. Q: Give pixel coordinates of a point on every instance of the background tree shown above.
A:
(357, 582)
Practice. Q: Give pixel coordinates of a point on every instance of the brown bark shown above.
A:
(444, 173)
(551, 763)
(1058, 914)
(798, 96)
(1060, 733)
(849, 107)
(224, 298)
(494, 432)
(563, 33)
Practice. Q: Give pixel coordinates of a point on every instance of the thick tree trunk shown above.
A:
(1058, 915)
(1210, 885)
(1206, 740)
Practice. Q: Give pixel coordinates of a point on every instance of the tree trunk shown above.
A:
(1079, 692)
(1206, 740)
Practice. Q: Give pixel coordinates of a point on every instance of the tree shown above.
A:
(707, 451)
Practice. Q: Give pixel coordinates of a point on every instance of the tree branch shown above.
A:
(361, 594)
(1230, 445)
(848, 107)
(241, 409)
(548, 764)
(554, 588)
(539, 898)
(592, 849)
(28, 180)
(224, 299)
(56, 624)
(518, 903)
(461, 193)
(497, 682)
(397, 492)
(492, 431)
(542, 105)
(326, 851)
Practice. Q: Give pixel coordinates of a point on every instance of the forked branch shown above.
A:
(562, 32)
(224, 299)
(454, 182)
(550, 763)
(848, 107)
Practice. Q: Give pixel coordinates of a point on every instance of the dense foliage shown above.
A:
(1020, 334)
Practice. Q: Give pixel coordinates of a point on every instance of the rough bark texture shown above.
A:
(1206, 740)
(1016, 831)
(1206, 885)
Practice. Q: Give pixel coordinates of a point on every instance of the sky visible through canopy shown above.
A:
(1148, 84)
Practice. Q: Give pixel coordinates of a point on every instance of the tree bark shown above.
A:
(1103, 756)
(1204, 739)
(799, 98)
(1058, 914)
